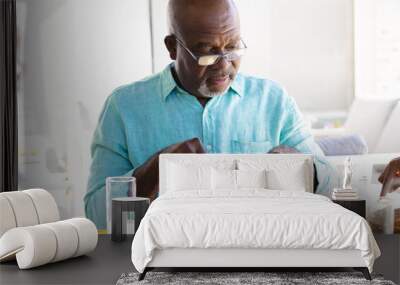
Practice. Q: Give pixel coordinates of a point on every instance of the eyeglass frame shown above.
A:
(220, 55)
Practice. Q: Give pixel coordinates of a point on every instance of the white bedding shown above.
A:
(251, 218)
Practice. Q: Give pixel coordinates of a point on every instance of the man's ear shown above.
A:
(170, 43)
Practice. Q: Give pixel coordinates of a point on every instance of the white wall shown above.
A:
(72, 55)
(377, 48)
(306, 45)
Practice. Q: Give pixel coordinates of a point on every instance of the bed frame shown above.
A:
(245, 259)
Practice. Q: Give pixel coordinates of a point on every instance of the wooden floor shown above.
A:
(110, 259)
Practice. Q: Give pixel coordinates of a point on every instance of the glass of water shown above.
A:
(116, 187)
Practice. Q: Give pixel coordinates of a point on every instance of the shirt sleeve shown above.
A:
(109, 158)
(295, 134)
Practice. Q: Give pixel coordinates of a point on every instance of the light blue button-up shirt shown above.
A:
(141, 118)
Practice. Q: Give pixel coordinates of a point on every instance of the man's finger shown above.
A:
(385, 189)
(390, 185)
(383, 175)
(283, 149)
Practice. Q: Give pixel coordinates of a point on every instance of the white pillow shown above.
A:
(223, 179)
(251, 178)
(278, 180)
(228, 179)
(282, 173)
(181, 177)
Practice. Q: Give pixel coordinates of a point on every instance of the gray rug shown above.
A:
(269, 278)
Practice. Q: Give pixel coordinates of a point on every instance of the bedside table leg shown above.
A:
(140, 210)
(364, 271)
(142, 275)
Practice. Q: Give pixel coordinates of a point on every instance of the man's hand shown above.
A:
(390, 178)
(147, 180)
(283, 149)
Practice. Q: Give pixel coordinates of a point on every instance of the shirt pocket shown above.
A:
(251, 146)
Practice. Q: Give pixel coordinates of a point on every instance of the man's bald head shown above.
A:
(187, 15)
(201, 28)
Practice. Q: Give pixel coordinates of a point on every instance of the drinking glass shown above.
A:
(116, 187)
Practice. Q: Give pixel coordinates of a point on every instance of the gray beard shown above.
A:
(206, 93)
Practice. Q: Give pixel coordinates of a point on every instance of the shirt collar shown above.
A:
(168, 83)
(237, 85)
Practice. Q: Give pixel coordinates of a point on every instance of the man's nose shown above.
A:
(221, 64)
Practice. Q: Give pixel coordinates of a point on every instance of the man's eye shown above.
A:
(203, 51)
(233, 46)
(210, 50)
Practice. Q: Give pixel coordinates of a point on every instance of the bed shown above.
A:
(246, 211)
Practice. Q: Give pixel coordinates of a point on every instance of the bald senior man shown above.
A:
(197, 104)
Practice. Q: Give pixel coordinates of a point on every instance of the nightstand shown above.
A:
(357, 206)
(129, 205)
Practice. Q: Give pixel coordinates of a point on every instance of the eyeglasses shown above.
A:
(210, 59)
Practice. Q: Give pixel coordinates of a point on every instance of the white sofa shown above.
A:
(376, 120)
